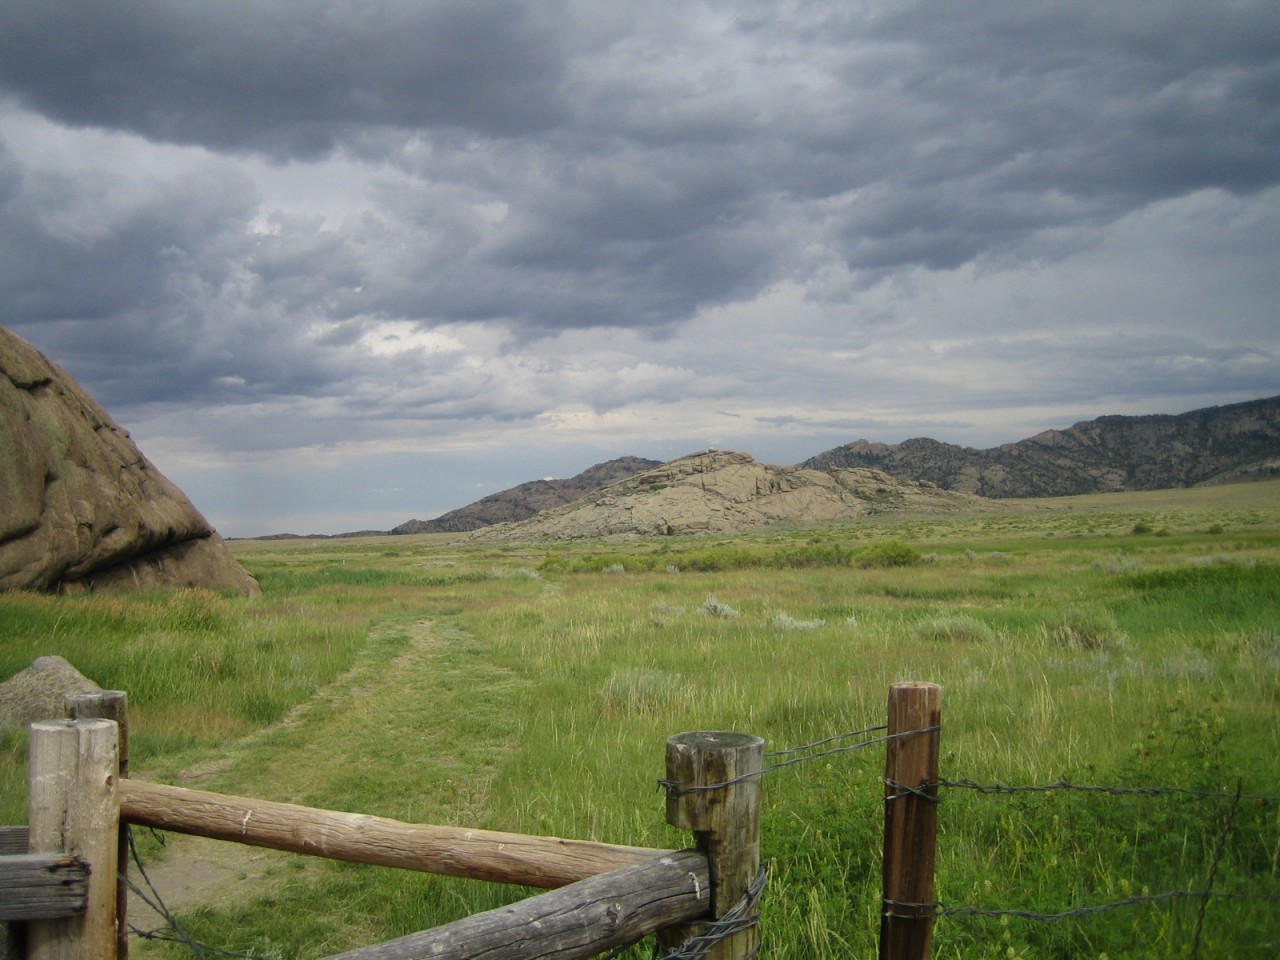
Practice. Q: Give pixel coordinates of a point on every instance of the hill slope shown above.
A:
(724, 492)
(1231, 443)
(527, 499)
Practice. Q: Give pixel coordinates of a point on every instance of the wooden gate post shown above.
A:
(910, 821)
(72, 809)
(714, 790)
(112, 705)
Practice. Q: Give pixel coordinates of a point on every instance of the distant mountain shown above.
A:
(718, 492)
(1226, 444)
(321, 536)
(523, 501)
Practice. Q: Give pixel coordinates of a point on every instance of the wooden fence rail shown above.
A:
(575, 922)
(450, 851)
(607, 895)
(37, 886)
(59, 874)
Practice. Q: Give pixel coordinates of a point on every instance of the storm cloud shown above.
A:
(327, 233)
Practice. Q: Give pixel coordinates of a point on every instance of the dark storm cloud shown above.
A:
(284, 78)
(1016, 118)
(653, 164)
(809, 215)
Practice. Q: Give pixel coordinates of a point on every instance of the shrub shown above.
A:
(1087, 628)
(713, 607)
(891, 553)
(1119, 564)
(1264, 643)
(955, 627)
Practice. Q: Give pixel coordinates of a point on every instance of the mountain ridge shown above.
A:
(1229, 443)
(1109, 454)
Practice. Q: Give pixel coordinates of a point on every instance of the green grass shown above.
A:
(532, 688)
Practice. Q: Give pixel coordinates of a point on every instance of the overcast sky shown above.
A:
(338, 265)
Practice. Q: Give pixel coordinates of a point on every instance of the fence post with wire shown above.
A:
(713, 789)
(603, 897)
(58, 875)
(910, 821)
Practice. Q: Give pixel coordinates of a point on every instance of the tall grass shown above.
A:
(460, 688)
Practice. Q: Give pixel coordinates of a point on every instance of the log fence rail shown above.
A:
(604, 896)
(56, 876)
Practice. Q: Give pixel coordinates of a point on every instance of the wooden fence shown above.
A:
(67, 888)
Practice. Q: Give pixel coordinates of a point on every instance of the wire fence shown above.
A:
(929, 792)
(745, 913)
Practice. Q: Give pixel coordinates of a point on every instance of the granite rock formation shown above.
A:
(80, 507)
(523, 501)
(722, 492)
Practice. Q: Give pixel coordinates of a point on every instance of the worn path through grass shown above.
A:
(414, 731)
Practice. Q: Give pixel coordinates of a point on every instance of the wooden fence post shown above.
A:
(72, 809)
(112, 705)
(714, 791)
(910, 821)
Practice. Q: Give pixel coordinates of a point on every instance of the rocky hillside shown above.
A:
(522, 502)
(1214, 445)
(80, 507)
(724, 492)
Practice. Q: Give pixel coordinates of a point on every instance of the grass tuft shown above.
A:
(959, 628)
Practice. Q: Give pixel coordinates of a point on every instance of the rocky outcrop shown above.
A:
(80, 507)
(722, 492)
(527, 499)
(40, 692)
(1225, 444)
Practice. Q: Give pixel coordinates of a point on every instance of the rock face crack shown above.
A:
(81, 508)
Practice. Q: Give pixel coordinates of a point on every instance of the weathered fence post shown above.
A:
(714, 790)
(910, 821)
(72, 809)
(112, 705)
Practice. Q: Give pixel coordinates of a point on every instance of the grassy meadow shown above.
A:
(1118, 640)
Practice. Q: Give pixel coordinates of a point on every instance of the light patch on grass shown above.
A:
(782, 621)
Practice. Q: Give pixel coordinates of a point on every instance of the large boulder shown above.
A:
(40, 692)
(80, 507)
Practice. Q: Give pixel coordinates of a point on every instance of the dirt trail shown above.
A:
(191, 872)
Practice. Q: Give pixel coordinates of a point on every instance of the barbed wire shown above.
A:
(1000, 788)
(172, 931)
(743, 915)
(823, 743)
(938, 909)
(675, 789)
